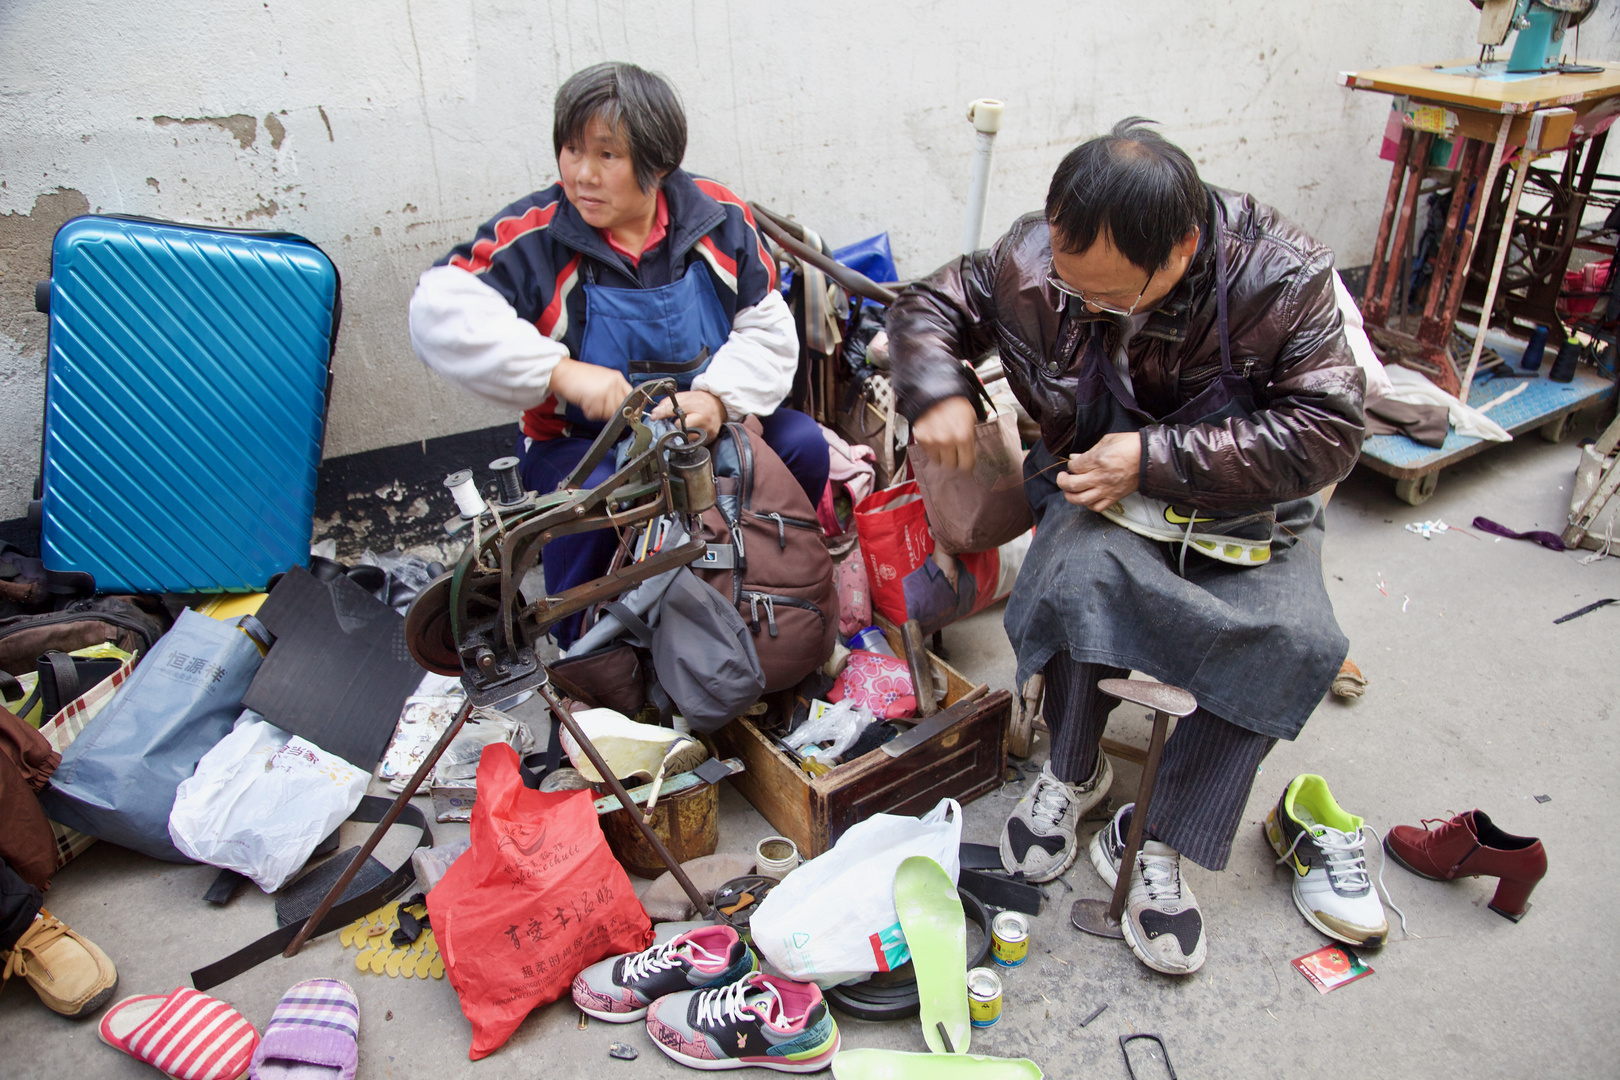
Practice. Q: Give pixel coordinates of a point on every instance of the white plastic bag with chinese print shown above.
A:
(833, 919)
(261, 800)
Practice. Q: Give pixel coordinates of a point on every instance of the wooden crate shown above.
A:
(961, 762)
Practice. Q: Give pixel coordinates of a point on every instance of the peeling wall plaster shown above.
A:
(387, 131)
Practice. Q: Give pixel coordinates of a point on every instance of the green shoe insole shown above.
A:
(870, 1064)
(936, 932)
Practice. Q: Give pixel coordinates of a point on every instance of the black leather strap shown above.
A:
(10, 688)
(64, 673)
(371, 809)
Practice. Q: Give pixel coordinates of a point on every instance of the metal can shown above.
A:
(984, 997)
(871, 639)
(1009, 939)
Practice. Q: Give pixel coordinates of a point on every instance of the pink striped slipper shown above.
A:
(188, 1035)
(314, 1034)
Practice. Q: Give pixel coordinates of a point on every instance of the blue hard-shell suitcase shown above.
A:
(186, 387)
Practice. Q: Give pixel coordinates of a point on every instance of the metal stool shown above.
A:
(1095, 916)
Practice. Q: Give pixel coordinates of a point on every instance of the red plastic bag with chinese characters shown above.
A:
(906, 581)
(536, 900)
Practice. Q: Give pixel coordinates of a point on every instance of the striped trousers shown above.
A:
(1208, 767)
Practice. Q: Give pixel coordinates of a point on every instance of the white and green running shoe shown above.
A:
(1326, 849)
(1242, 540)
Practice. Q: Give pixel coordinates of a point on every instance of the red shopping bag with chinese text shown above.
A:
(536, 900)
(906, 583)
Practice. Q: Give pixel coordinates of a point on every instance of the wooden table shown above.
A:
(1486, 121)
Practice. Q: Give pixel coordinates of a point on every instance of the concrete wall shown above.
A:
(385, 130)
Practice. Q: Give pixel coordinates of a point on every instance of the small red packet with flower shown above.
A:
(1330, 967)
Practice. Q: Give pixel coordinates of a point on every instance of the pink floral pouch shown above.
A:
(877, 682)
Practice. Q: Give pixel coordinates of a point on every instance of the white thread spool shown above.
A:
(466, 494)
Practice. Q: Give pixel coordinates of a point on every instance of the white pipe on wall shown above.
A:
(985, 115)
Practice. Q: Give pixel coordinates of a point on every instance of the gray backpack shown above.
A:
(702, 651)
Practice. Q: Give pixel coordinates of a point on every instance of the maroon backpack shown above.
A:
(766, 555)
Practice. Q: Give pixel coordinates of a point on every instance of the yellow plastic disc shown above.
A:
(379, 960)
(392, 966)
(436, 968)
(363, 961)
(423, 966)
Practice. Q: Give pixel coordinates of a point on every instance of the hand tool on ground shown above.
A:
(1096, 916)
(475, 623)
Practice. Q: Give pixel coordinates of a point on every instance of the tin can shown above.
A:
(984, 997)
(1009, 939)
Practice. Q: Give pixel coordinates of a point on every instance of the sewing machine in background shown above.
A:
(1537, 49)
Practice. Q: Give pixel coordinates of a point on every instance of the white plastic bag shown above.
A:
(833, 919)
(261, 800)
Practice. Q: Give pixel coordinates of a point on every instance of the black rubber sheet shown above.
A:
(339, 670)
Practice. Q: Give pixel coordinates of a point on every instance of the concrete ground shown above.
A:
(1476, 700)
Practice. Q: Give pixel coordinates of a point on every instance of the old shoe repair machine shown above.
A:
(475, 623)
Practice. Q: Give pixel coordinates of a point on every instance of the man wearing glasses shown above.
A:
(1182, 349)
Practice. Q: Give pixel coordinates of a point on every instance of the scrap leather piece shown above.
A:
(339, 671)
(26, 763)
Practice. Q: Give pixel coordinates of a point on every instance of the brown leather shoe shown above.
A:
(1469, 844)
(70, 975)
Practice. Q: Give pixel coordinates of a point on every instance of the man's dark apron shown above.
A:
(1105, 404)
(1257, 646)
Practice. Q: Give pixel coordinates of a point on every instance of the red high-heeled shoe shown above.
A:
(1470, 844)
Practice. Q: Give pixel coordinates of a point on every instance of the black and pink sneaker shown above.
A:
(763, 1021)
(620, 988)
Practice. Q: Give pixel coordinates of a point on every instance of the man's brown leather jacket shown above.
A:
(1287, 340)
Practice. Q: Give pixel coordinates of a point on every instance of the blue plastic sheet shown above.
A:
(872, 257)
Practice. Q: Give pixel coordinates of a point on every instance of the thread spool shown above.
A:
(507, 480)
(465, 492)
(1535, 350)
(1563, 369)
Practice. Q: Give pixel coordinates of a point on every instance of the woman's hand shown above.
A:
(1105, 474)
(596, 391)
(945, 432)
(704, 411)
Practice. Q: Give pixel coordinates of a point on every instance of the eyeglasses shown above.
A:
(1066, 289)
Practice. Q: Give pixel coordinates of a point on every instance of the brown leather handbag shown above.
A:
(982, 509)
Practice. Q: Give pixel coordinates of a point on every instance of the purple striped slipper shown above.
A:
(314, 1034)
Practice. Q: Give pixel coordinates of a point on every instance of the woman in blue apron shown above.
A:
(629, 269)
